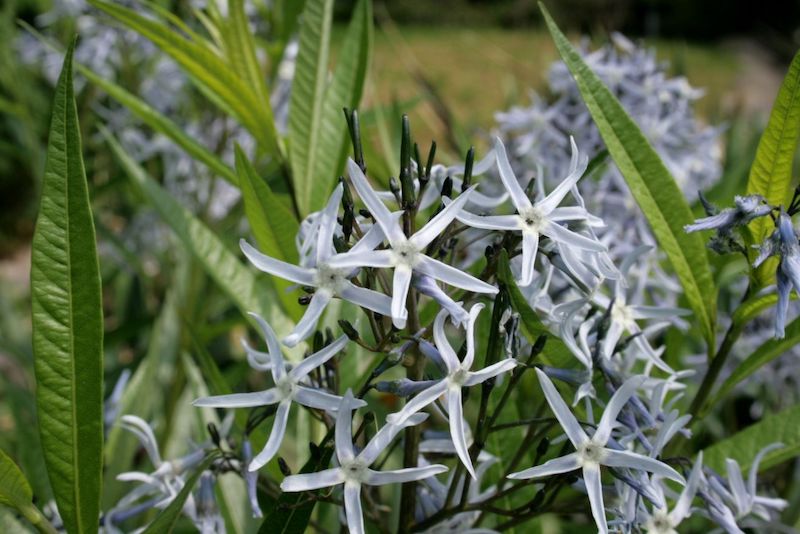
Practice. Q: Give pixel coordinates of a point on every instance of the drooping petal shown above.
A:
(736, 484)
(518, 197)
(457, 432)
(420, 400)
(563, 464)
(376, 207)
(303, 368)
(493, 370)
(449, 356)
(361, 258)
(240, 400)
(575, 213)
(277, 365)
(308, 322)
(383, 437)
(615, 405)
(321, 400)
(258, 360)
(530, 246)
(684, 502)
(752, 475)
(400, 284)
(784, 289)
(632, 460)
(556, 232)
(452, 276)
(433, 228)
(343, 436)
(312, 481)
(144, 432)
(327, 225)
(400, 476)
(568, 422)
(366, 298)
(487, 222)
(469, 357)
(281, 269)
(352, 507)
(594, 487)
(428, 286)
(275, 437)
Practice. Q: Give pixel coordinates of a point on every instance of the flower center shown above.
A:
(355, 471)
(285, 386)
(591, 453)
(532, 220)
(459, 378)
(659, 523)
(330, 279)
(406, 254)
(622, 314)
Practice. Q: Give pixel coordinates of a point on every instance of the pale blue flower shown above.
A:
(783, 242)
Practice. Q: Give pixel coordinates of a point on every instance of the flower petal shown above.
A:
(343, 436)
(327, 225)
(632, 460)
(518, 197)
(352, 507)
(681, 509)
(308, 322)
(400, 476)
(277, 365)
(556, 232)
(312, 481)
(563, 464)
(240, 400)
(452, 276)
(594, 487)
(457, 431)
(449, 356)
(275, 437)
(615, 405)
(486, 222)
(383, 437)
(376, 207)
(469, 357)
(420, 400)
(366, 298)
(433, 228)
(362, 258)
(493, 370)
(400, 284)
(281, 269)
(568, 422)
(302, 369)
(322, 400)
(577, 167)
(530, 246)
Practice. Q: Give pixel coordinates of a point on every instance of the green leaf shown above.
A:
(273, 224)
(207, 69)
(241, 48)
(650, 183)
(68, 322)
(783, 427)
(290, 513)
(16, 493)
(771, 349)
(167, 519)
(306, 106)
(345, 90)
(248, 293)
(555, 352)
(771, 173)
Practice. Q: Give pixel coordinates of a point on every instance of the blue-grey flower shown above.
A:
(783, 242)
(747, 208)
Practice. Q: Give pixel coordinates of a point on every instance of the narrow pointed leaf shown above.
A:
(68, 322)
(771, 173)
(16, 493)
(306, 107)
(650, 183)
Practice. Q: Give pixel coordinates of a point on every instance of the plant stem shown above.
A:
(717, 363)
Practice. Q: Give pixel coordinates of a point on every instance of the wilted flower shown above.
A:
(747, 208)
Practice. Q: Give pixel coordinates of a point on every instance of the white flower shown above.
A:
(536, 219)
(328, 281)
(458, 376)
(591, 452)
(353, 470)
(406, 255)
(289, 386)
(665, 521)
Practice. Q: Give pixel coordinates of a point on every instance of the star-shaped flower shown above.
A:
(458, 376)
(665, 521)
(353, 470)
(406, 255)
(289, 386)
(328, 281)
(537, 219)
(591, 452)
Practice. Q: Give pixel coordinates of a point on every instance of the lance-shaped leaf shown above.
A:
(650, 183)
(68, 322)
(771, 173)
(317, 130)
(16, 493)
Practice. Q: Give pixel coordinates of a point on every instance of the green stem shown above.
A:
(717, 363)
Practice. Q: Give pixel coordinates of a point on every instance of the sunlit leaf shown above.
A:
(68, 322)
